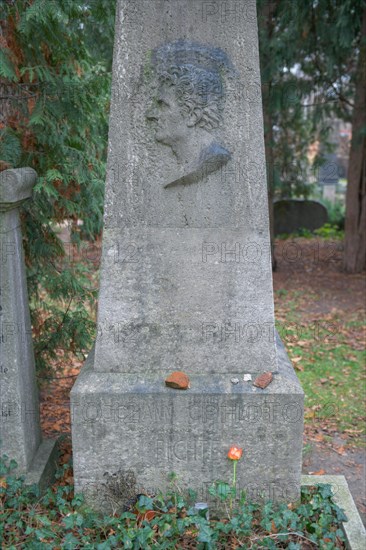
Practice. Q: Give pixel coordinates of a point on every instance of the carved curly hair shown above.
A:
(196, 87)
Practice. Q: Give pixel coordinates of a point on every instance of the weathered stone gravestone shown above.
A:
(186, 279)
(328, 173)
(328, 177)
(330, 193)
(20, 433)
(290, 215)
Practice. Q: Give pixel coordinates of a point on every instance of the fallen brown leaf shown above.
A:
(340, 450)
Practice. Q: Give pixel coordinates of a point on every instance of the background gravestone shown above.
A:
(290, 215)
(186, 279)
(328, 176)
(328, 173)
(20, 432)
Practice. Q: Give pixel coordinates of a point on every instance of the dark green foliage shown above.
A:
(309, 54)
(10, 146)
(336, 213)
(56, 76)
(59, 519)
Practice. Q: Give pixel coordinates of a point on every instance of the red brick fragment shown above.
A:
(178, 380)
(263, 380)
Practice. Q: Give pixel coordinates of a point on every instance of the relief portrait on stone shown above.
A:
(187, 106)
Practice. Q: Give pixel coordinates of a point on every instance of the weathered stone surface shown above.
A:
(186, 281)
(263, 380)
(328, 173)
(20, 434)
(20, 429)
(292, 215)
(127, 422)
(44, 464)
(16, 187)
(178, 380)
(186, 272)
(330, 193)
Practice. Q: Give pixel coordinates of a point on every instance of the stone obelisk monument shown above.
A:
(186, 281)
(20, 432)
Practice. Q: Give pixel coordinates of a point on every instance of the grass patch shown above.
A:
(327, 231)
(330, 363)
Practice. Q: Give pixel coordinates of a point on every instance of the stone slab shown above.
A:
(294, 214)
(353, 528)
(43, 466)
(124, 423)
(329, 171)
(330, 192)
(186, 279)
(182, 302)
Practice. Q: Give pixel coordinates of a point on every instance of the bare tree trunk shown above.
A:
(354, 259)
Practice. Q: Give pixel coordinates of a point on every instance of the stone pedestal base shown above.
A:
(133, 427)
(43, 466)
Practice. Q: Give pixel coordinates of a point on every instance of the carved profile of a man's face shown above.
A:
(169, 122)
(187, 105)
